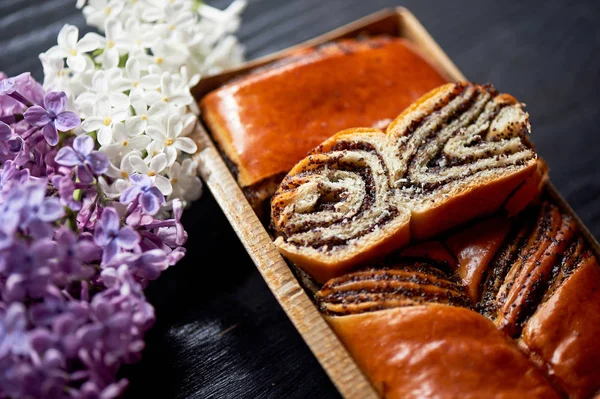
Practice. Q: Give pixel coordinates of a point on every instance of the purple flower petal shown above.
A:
(130, 194)
(51, 210)
(128, 238)
(84, 175)
(5, 131)
(100, 236)
(66, 121)
(15, 144)
(90, 334)
(87, 251)
(39, 229)
(141, 180)
(151, 201)
(50, 134)
(55, 101)
(67, 157)
(98, 162)
(110, 251)
(84, 145)
(110, 220)
(37, 116)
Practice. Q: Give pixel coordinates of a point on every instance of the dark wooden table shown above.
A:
(220, 333)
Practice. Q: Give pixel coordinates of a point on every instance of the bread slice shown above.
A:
(459, 152)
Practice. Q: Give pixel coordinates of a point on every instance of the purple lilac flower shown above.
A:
(13, 337)
(28, 269)
(22, 88)
(11, 174)
(76, 255)
(112, 237)
(87, 162)
(36, 210)
(142, 189)
(147, 265)
(52, 117)
(171, 231)
(5, 131)
(66, 191)
(72, 305)
(9, 142)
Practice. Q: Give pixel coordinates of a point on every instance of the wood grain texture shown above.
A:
(220, 333)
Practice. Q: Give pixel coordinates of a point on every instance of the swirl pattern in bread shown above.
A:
(459, 152)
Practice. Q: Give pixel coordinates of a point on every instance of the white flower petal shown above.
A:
(119, 114)
(186, 144)
(138, 164)
(90, 42)
(104, 135)
(156, 133)
(163, 184)
(92, 123)
(102, 107)
(171, 154)
(151, 81)
(158, 163)
(110, 58)
(135, 125)
(120, 100)
(76, 63)
(67, 37)
(158, 109)
(139, 142)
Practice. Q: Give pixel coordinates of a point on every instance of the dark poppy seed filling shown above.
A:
(404, 284)
(530, 266)
(426, 155)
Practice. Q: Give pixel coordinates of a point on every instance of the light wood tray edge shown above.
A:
(313, 328)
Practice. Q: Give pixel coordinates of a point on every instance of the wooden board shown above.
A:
(326, 347)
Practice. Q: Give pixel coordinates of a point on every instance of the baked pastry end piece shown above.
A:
(438, 351)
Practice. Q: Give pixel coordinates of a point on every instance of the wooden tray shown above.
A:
(315, 331)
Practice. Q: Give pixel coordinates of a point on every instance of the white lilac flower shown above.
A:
(131, 85)
(125, 141)
(140, 36)
(104, 118)
(96, 12)
(153, 170)
(114, 43)
(75, 50)
(167, 139)
(184, 180)
(106, 83)
(120, 176)
(172, 91)
(136, 83)
(143, 115)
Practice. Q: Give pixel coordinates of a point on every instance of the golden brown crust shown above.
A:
(438, 351)
(266, 122)
(562, 336)
(474, 248)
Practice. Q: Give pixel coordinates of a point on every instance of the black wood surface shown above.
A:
(220, 333)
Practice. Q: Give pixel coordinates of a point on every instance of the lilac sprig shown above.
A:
(73, 263)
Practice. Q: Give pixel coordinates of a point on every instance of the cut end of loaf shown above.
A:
(459, 152)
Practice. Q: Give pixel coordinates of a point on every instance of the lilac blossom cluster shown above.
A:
(73, 262)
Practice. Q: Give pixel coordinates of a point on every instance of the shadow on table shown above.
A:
(219, 331)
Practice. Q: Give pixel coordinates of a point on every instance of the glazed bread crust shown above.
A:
(438, 351)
